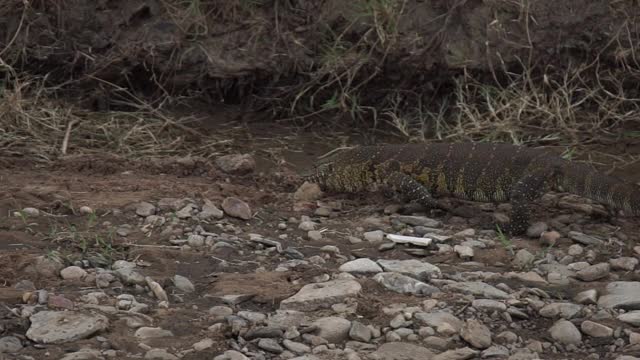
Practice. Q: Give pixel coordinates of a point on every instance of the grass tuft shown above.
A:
(579, 107)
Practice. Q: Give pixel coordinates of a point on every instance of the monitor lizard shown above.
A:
(487, 172)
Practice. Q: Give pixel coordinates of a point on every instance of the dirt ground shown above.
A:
(112, 188)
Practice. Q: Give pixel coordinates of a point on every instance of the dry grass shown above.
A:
(343, 68)
(33, 123)
(580, 107)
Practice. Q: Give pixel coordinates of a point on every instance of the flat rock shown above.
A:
(419, 221)
(476, 333)
(438, 318)
(263, 332)
(401, 351)
(362, 266)
(621, 295)
(632, 317)
(296, 347)
(404, 284)
(56, 327)
(495, 352)
(585, 239)
(270, 345)
(415, 268)
(237, 208)
(312, 297)
(477, 288)
(287, 318)
(594, 329)
(488, 304)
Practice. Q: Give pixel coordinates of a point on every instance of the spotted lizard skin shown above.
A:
(471, 171)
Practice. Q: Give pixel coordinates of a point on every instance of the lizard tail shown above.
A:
(580, 179)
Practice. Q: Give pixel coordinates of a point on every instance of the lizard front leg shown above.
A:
(524, 192)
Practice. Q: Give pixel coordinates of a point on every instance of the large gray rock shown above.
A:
(414, 268)
(321, 295)
(564, 332)
(621, 295)
(594, 329)
(361, 266)
(56, 327)
(457, 354)
(632, 317)
(333, 328)
(237, 208)
(10, 344)
(236, 163)
(145, 209)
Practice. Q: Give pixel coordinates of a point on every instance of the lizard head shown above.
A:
(323, 167)
(317, 171)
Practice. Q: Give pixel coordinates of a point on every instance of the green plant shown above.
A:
(504, 239)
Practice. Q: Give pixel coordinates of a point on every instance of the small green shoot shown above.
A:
(568, 154)
(504, 239)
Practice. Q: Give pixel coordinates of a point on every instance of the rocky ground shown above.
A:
(229, 262)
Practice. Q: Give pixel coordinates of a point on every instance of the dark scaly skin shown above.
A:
(471, 171)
